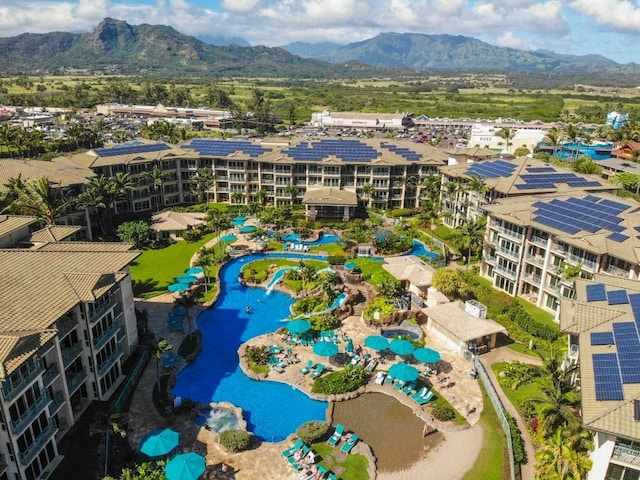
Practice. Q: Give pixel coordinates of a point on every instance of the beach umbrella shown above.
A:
(186, 279)
(325, 349)
(186, 466)
(298, 326)
(376, 342)
(349, 348)
(179, 287)
(194, 271)
(426, 355)
(350, 265)
(401, 346)
(404, 372)
(159, 442)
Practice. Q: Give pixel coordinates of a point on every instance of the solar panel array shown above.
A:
(540, 169)
(222, 148)
(404, 152)
(131, 148)
(492, 169)
(346, 150)
(617, 297)
(575, 214)
(550, 181)
(602, 338)
(628, 349)
(596, 292)
(606, 373)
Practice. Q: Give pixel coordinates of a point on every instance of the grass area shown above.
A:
(520, 394)
(329, 249)
(440, 400)
(372, 271)
(492, 460)
(258, 369)
(282, 262)
(221, 207)
(154, 270)
(355, 466)
(520, 348)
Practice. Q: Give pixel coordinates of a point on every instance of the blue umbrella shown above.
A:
(298, 326)
(376, 342)
(325, 349)
(159, 442)
(401, 346)
(194, 271)
(187, 466)
(426, 355)
(349, 348)
(404, 372)
(350, 265)
(179, 287)
(186, 279)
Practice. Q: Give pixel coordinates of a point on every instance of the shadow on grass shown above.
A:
(142, 288)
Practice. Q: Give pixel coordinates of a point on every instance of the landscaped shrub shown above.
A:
(324, 322)
(381, 305)
(399, 212)
(443, 413)
(349, 379)
(311, 432)
(519, 454)
(307, 305)
(393, 244)
(515, 374)
(258, 354)
(235, 440)
(336, 259)
(529, 324)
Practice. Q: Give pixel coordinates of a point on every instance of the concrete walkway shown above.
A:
(505, 354)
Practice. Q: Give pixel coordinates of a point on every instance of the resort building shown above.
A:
(67, 323)
(603, 323)
(414, 274)
(535, 247)
(613, 166)
(369, 121)
(468, 188)
(283, 171)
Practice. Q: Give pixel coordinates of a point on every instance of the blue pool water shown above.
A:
(272, 410)
(276, 278)
(323, 239)
(419, 248)
(597, 151)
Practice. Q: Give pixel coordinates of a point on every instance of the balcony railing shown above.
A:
(510, 233)
(535, 259)
(29, 454)
(591, 265)
(506, 271)
(617, 272)
(101, 340)
(559, 250)
(50, 375)
(555, 289)
(539, 241)
(56, 403)
(10, 390)
(109, 361)
(626, 454)
(23, 421)
(75, 381)
(531, 278)
(102, 309)
(70, 354)
(490, 259)
(509, 253)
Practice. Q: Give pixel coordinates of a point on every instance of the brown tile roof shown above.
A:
(87, 247)
(171, 221)
(53, 233)
(12, 223)
(17, 347)
(330, 196)
(60, 173)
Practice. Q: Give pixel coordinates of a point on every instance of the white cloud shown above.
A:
(240, 6)
(622, 15)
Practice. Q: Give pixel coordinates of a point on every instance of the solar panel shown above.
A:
(347, 150)
(617, 297)
(636, 410)
(130, 148)
(628, 347)
(491, 169)
(618, 237)
(634, 300)
(606, 373)
(540, 169)
(222, 148)
(602, 338)
(596, 293)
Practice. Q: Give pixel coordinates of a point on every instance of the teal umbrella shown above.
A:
(298, 326)
(349, 348)
(404, 372)
(186, 279)
(187, 466)
(159, 442)
(325, 349)
(179, 287)
(401, 346)
(350, 265)
(376, 342)
(426, 355)
(194, 271)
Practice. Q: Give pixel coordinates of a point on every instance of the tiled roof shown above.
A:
(12, 223)
(17, 347)
(329, 196)
(53, 233)
(171, 221)
(62, 173)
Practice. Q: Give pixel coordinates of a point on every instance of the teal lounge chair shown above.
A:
(426, 399)
(317, 372)
(389, 379)
(321, 470)
(355, 360)
(331, 476)
(290, 451)
(337, 435)
(399, 384)
(419, 394)
(350, 443)
(307, 368)
(408, 388)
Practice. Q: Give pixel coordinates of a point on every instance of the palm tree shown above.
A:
(584, 164)
(159, 348)
(292, 191)
(557, 406)
(430, 186)
(206, 258)
(203, 180)
(572, 133)
(11, 192)
(368, 190)
(218, 222)
(470, 234)
(557, 460)
(507, 134)
(154, 178)
(261, 196)
(42, 200)
(95, 199)
(120, 186)
(553, 138)
(237, 197)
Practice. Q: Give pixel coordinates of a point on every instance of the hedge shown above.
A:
(235, 440)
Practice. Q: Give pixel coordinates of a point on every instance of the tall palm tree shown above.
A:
(470, 235)
(218, 222)
(203, 180)
(368, 190)
(261, 196)
(507, 134)
(584, 164)
(237, 197)
(11, 192)
(430, 188)
(42, 200)
(553, 138)
(95, 198)
(120, 187)
(572, 133)
(557, 406)
(155, 179)
(292, 191)
(557, 460)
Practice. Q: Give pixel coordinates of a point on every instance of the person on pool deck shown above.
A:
(249, 309)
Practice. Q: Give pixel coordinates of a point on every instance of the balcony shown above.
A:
(490, 259)
(504, 270)
(510, 233)
(65, 327)
(10, 390)
(626, 455)
(29, 454)
(23, 421)
(50, 375)
(75, 381)
(102, 309)
(617, 272)
(101, 340)
(509, 253)
(531, 278)
(109, 361)
(535, 259)
(56, 403)
(539, 241)
(555, 289)
(559, 250)
(70, 354)
(267, 182)
(591, 265)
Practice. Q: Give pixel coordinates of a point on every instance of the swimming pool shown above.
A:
(420, 249)
(273, 410)
(323, 239)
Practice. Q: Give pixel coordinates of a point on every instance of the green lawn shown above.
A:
(372, 271)
(440, 400)
(522, 393)
(156, 269)
(355, 466)
(520, 348)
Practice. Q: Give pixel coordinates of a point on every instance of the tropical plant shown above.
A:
(342, 381)
(451, 283)
(292, 191)
(155, 179)
(39, 198)
(235, 440)
(160, 347)
(507, 134)
(584, 164)
(390, 288)
(556, 406)
(137, 232)
(470, 235)
(368, 191)
(557, 460)
(311, 432)
(202, 182)
(553, 138)
(258, 354)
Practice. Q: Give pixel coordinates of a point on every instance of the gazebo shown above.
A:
(171, 224)
(330, 203)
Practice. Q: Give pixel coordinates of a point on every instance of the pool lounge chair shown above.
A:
(321, 470)
(355, 359)
(317, 372)
(331, 476)
(426, 399)
(389, 379)
(399, 385)
(337, 435)
(168, 363)
(408, 388)
(373, 363)
(350, 443)
(419, 394)
(290, 451)
(307, 368)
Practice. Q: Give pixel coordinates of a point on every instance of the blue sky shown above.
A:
(607, 27)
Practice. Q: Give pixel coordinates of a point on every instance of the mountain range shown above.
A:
(115, 47)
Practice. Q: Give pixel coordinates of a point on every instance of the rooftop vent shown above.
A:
(475, 308)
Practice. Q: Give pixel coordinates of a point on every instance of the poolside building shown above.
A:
(67, 324)
(414, 275)
(602, 323)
